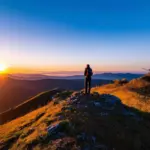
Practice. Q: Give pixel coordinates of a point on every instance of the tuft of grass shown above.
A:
(63, 95)
(10, 140)
(26, 133)
(59, 114)
(121, 82)
(49, 121)
(38, 116)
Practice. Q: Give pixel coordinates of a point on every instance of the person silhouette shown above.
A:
(88, 74)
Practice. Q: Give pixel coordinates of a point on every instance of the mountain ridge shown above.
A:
(106, 76)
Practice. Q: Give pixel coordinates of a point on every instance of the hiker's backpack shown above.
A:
(89, 72)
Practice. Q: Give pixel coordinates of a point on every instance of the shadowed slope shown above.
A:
(27, 106)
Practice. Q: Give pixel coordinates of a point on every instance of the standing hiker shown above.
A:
(88, 74)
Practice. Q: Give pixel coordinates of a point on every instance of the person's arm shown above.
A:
(85, 72)
(91, 71)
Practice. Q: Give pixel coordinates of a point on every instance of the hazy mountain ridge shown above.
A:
(104, 76)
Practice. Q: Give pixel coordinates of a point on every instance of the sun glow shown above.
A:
(2, 68)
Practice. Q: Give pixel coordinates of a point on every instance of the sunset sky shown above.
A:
(64, 35)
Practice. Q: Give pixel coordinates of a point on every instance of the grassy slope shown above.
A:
(134, 94)
(26, 130)
(28, 106)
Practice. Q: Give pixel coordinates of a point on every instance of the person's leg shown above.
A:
(86, 85)
(89, 81)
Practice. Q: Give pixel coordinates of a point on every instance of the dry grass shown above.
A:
(135, 94)
(26, 130)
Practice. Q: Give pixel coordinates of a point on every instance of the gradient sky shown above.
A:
(64, 35)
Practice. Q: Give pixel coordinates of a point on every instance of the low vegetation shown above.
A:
(121, 82)
(135, 94)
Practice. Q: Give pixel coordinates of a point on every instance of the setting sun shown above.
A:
(2, 67)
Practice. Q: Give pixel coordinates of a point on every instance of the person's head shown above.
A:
(88, 66)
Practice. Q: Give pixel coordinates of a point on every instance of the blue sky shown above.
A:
(111, 35)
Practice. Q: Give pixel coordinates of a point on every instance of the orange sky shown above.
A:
(75, 69)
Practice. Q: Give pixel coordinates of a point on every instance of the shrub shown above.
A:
(121, 82)
(63, 95)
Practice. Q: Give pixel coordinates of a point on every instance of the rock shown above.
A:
(96, 94)
(67, 108)
(128, 113)
(108, 107)
(137, 142)
(101, 147)
(73, 98)
(110, 99)
(104, 114)
(83, 136)
(131, 114)
(93, 139)
(87, 147)
(97, 104)
(52, 129)
(61, 117)
(60, 127)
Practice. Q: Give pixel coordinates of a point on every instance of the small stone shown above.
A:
(97, 104)
(101, 146)
(93, 139)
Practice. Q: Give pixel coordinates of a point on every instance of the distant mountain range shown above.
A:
(103, 76)
(14, 91)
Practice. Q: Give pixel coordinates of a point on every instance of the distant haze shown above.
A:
(101, 76)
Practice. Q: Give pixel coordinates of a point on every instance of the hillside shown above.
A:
(13, 92)
(28, 106)
(74, 121)
(136, 93)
